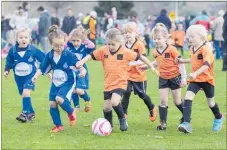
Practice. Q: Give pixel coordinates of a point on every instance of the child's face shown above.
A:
(130, 36)
(76, 41)
(23, 38)
(180, 26)
(194, 39)
(113, 45)
(159, 40)
(58, 44)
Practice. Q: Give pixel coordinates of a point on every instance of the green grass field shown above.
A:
(142, 133)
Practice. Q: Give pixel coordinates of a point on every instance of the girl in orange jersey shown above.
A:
(115, 59)
(202, 76)
(179, 38)
(172, 75)
(137, 79)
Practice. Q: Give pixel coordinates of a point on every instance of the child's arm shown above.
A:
(146, 61)
(198, 72)
(37, 74)
(80, 63)
(89, 44)
(9, 63)
(179, 60)
(182, 71)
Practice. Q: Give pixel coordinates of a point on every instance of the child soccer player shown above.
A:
(137, 79)
(115, 59)
(81, 47)
(61, 61)
(179, 38)
(22, 58)
(172, 76)
(202, 76)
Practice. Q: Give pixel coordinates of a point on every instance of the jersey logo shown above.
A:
(30, 59)
(105, 56)
(200, 56)
(167, 55)
(65, 65)
(119, 56)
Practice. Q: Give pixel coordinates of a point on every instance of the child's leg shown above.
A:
(140, 89)
(177, 100)
(218, 121)
(75, 98)
(107, 111)
(163, 108)
(55, 115)
(115, 102)
(83, 94)
(126, 97)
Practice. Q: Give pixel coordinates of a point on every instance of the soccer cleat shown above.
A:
(126, 116)
(77, 108)
(72, 118)
(217, 125)
(87, 106)
(57, 129)
(123, 124)
(162, 126)
(31, 117)
(153, 114)
(185, 127)
(22, 118)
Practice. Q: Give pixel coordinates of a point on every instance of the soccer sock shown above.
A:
(119, 111)
(216, 111)
(67, 107)
(163, 110)
(108, 116)
(26, 102)
(55, 115)
(85, 96)
(125, 102)
(147, 101)
(75, 99)
(187, 110)
(180, 107)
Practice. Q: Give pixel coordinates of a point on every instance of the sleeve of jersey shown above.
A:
(39, 55)
(45, 66)
(9, 61)
(208, 57)
(133, 56)
(175, 53)
(97, 54)
(142, 49)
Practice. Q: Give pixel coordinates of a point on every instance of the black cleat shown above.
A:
(22, 118)
(162, 126)
(31, 117)
(123, 124)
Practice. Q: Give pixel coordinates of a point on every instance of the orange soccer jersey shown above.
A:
(179, 37)
(92, 27)
(200, 57)
(115, 66)
(166, 62)
(134, 74)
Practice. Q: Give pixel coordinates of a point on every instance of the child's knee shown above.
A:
(211, 102)
(79, 91)
(107, 105)
(59, 100)
(53, 104)
(26, 93)
(115, 102)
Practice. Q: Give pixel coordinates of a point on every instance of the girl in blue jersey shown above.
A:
(81, 47)
(22, 58)
(61, 61)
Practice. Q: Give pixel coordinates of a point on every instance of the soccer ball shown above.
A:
(101, 127)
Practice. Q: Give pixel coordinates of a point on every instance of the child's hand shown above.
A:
(49, 76)
(143, 67)
(82, 72)
(79, 64)
(183, 83)
(6, 74)
(155, 70)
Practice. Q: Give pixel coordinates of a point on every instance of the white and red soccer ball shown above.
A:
(101, 127)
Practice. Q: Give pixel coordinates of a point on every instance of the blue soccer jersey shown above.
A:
(23, 62)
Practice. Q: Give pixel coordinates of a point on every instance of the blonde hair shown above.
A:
(201, 31)
(114, 34)
(54, 32)
(132, 27)
(79, 32)
(18, 31)
(160, 28)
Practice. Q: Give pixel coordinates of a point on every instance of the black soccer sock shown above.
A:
(216, 111)
(119, 111)
(125, 102)
(108, 116)
(187, 110)
(163, 111)
(147, 101)
(180, 107)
